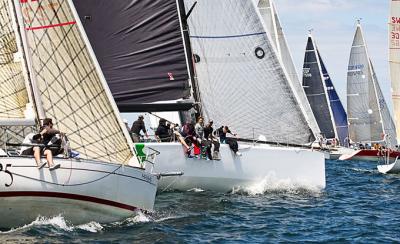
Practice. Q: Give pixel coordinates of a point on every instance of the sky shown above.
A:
(333, 23)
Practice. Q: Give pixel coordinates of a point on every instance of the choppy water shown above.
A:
(358, 205)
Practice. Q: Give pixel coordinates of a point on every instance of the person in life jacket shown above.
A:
(51, 139)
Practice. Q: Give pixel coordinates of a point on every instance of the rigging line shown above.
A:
(77, 184)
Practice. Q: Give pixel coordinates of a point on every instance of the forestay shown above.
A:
(274, 28)
(71, 88)
(241, 80)
(394, 59)
(139, 46)
(366, 123)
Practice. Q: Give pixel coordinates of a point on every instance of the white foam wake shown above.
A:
(270, 184)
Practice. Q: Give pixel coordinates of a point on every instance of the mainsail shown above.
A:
(394, 59)
(71, 85)
(240, 77)
(272, 23)
(321, 94)
(365, 103)
(140, 48)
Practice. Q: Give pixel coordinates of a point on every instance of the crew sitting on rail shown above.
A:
(232, 142)
(208, 134)
(205, 144)
(164, 133)
(51, 140)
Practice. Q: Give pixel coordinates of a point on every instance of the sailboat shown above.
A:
(48, 66)
(368, 115)
(394, 61)
(229, 74)
(324, 100)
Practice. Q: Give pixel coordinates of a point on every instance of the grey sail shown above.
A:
(314, 87)
(274, 28)
(364, 98)
(140, 48)
(240, 77)
(387, 120)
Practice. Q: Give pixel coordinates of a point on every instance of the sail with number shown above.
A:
(368, 114)
(241, 79)
(394, 59)
(322, 96)
(140, 48)
(271, 21)
(71, 85)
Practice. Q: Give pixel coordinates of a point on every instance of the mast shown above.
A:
(25, 67)
(28, 61)
(188, 50)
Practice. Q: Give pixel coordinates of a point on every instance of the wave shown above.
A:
(60, 223)
(270, 184)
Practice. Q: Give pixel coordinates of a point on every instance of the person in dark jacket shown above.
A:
(208, 135)
(137, 127)
(47, 135)
(232, 142)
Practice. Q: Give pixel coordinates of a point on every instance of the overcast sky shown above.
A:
(334, 23)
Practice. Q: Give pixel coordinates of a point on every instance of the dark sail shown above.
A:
(140, 48)
(315, 91)
(339, 114)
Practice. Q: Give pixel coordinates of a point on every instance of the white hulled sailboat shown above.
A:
(236, 78)
(46, 61)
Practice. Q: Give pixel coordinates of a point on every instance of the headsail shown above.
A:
(72, 89)
(366, 123)
(272, 23)
(139, 46)
(336, 106)
(241, 80)
(394, 59)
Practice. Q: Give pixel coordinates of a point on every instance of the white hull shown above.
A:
(257, 163)
(393, 168)
(337, 152)
(82, 191)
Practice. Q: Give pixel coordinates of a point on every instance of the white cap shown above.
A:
(125, 121)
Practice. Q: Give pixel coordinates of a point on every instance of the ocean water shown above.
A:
(358, 205)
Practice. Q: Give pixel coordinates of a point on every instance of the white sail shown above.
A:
(364, 104)
(13, 93)
(394, 59)
(71, 86)
(274, 28)
(241, 80)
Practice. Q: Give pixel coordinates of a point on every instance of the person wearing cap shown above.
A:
(46, 135)
(126, 125)
(138, 126)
